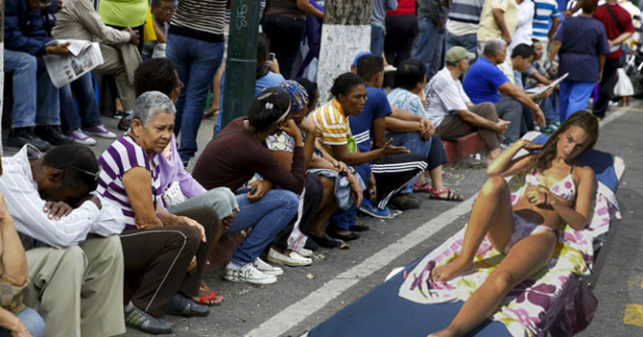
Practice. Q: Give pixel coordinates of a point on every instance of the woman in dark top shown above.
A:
(234, 157)
(284, 21)
(581, 45)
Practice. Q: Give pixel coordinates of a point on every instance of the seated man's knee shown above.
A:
(488, 110)
(112, 248)
(27, 62)
(193, 236)
(186, 238)
(73, 261)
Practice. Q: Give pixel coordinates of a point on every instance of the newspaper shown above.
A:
(84, 56)
(540, 90)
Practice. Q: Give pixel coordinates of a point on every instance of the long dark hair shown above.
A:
(583, 119)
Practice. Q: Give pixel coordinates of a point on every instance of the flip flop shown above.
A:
(213, 295)
(451, 196)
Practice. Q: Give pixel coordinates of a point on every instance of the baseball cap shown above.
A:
(457, 54)
(360, 55)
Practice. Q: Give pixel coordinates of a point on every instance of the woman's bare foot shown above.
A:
(450, 270)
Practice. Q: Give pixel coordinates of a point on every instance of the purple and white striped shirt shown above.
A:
(120, 157)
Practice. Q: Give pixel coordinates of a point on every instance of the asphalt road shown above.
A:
(306, 296)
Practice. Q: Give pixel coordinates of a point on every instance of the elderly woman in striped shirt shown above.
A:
(163, 252)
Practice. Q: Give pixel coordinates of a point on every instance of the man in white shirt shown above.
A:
(74, 261)
(451, 111)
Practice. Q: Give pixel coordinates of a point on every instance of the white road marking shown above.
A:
(297, 312)
(614, 115)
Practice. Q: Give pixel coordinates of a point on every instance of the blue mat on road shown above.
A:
(382, 312)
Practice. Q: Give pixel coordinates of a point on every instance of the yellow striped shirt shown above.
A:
(332, 125)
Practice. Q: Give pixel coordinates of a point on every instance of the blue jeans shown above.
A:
(23, 66)
(217, 124)
(468, 42)
(32, 321)
(574, 96)
(195, 61)
(549, 107)
(267, 217)
(47, 98)
(427, 44)
(377, 39)
(85, 112)
(510, 110)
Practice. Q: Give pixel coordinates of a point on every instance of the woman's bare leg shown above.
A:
(490, 214)
(216, 93)
(436, 178)
(326, 208)
(526, 258)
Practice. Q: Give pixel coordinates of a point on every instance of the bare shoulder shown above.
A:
(584, 173)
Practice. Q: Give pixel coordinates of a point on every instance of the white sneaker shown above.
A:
(80, 138)
(248, 273)
(294, 260)
(267, 269)
(304, 252)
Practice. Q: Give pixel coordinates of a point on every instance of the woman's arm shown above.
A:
(308, 9)
(505, 164)
(578, 217)
(170, 219)
(138, 186)
(309, 143)
(160, 35)
(13, 259)
(601, 67)
(620, 39)
(12, 323)
(341, 153)
(555, 47)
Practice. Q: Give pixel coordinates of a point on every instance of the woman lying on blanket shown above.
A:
(557, 192)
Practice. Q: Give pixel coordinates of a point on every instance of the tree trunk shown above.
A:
(348, 12)
(239, 86)
(345, 33)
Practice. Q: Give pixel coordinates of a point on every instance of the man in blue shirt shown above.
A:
(392, 171)
(485, 82)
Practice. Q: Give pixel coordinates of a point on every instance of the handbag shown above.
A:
(173, 195)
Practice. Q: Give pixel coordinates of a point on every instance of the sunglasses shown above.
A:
(94, 175)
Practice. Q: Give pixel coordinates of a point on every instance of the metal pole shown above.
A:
(238, 91)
